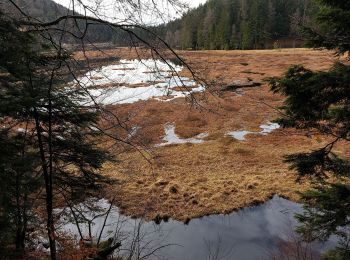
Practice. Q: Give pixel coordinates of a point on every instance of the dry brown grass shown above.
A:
(214, 177)
(222, 174)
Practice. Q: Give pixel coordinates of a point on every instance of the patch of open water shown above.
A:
(251, 233)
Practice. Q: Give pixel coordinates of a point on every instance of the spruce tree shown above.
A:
(321, 101)
(242, 24)
(18, 162)
(49, 133)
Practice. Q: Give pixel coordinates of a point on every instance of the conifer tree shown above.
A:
(47, 129)
(18, 163)
(243, 24)
(321, 101)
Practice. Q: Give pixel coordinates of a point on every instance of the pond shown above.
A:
(251, 233)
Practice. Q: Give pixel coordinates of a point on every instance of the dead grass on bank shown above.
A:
(222, 174)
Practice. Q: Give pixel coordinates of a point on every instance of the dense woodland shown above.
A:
(241, 24)
(218, 24)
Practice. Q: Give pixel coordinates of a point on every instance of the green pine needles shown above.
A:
(48, 143)
(321, 101)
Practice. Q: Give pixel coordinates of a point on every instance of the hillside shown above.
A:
(44, 10)
(48, 10)
(240, 24)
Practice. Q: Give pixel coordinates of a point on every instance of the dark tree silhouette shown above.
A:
(321, 101)
(50, 130)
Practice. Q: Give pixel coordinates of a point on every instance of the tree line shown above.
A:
(217, 24)
(52, 134)
(240, 24)
(50, 152)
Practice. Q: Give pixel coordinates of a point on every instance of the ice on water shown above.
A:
(160, 79)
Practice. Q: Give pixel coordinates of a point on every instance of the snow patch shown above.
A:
(172, 138)
(266, 129)
(21, 130)
(270, 127)
(239, 135)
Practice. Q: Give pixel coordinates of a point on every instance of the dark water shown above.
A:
(251, 233)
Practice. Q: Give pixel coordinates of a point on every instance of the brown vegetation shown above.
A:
(221, 174)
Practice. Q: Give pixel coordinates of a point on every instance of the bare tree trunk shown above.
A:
(48, 188)
(21, 207)
(19, 216)
(75, 219)
(104, 223)
(306, 4)
(50, 173)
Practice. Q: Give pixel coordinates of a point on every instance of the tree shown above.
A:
(19, 181)
(18, 162)
(60, 145)
(58, 131)
(244, 24)
(321, 101)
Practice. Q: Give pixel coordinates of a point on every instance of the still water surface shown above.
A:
(251, 233)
